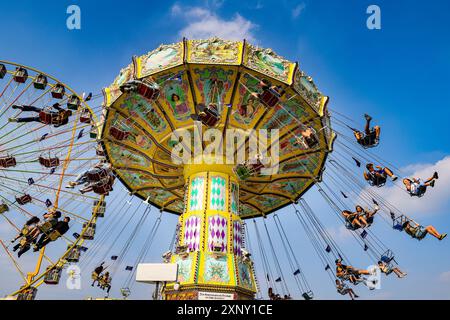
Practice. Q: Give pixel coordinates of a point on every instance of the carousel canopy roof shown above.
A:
(224, 73)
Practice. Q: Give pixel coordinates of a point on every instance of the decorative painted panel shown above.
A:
(217, 232)
(217, 195)
(192, 226)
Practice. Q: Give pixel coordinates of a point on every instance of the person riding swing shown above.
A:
(370, 138)
(417, 188)
(56, 118)
(377, 176)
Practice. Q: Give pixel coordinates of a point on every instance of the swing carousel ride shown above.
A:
(185, 97)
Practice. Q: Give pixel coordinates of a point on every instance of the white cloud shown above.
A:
(340, 233)
(298, 10)
(202, 23)
(435, 200)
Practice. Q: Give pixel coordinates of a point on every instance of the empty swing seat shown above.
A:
(74, 254)
(49, 162)
(23, 200)
(242, 171)
(40, 82)
(90, 231)
(27, 294)
(53, 276)
(58, 91)
(93, 133)
(99, 208)
(2, 71)
(118, 134)
(269, 97)
(7, 162)
(308, 295)
(21, 75)
(73, 103)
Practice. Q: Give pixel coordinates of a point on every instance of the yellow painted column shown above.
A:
(211, 238)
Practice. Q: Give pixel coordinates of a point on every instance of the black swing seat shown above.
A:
(350, 226)
(89, 234)
(49, 162)
(74, 254)
(421, 192)
(40, 82)
(21, 75)
(118, 134)
(377, 181)
(308, 295)
(58, 91)
(149, 91)
(2, 70)
(7, 162)
(23, 200)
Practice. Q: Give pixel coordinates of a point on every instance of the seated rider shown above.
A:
(370, 137)
(59, 229)
(361, 218)
(416, 187)
(309, 138)
(343, 289)
(378, 176)
(96, 274)
(105, 282)
(26, 236)
(82, 178)
(387, 269)
(419, 232)
(57, 118)
(349, 273)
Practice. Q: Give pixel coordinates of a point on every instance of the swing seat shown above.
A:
(85, 117)
(74, 254)
(21, 75)
(7, 162)
(242, 172)
(58, 91)
(90, 231)
(387, 257)
(45, 117)
(40, 82)
(312, 141)
(99, 208)
(209, 115)
(97, 174)
(49, 162)
(99, 151)
(53, 276)
(46, 227)
(4, 208)
(269, 98)
(73, 103)
(118, 134)
(308, 295)
(102, 188)
(149, 91)
(421, 192)
(378, 182)
(350, 226)
(54, 235)
(93, 133)
(27, 294)
(23, 200)
(2, 71)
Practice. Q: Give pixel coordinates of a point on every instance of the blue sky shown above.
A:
(398, 74)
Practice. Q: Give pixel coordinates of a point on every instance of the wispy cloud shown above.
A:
(298, 9)
(204, 23)
(436, 199)
(445, 276)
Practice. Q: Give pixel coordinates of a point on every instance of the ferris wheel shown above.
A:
(48, 143)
